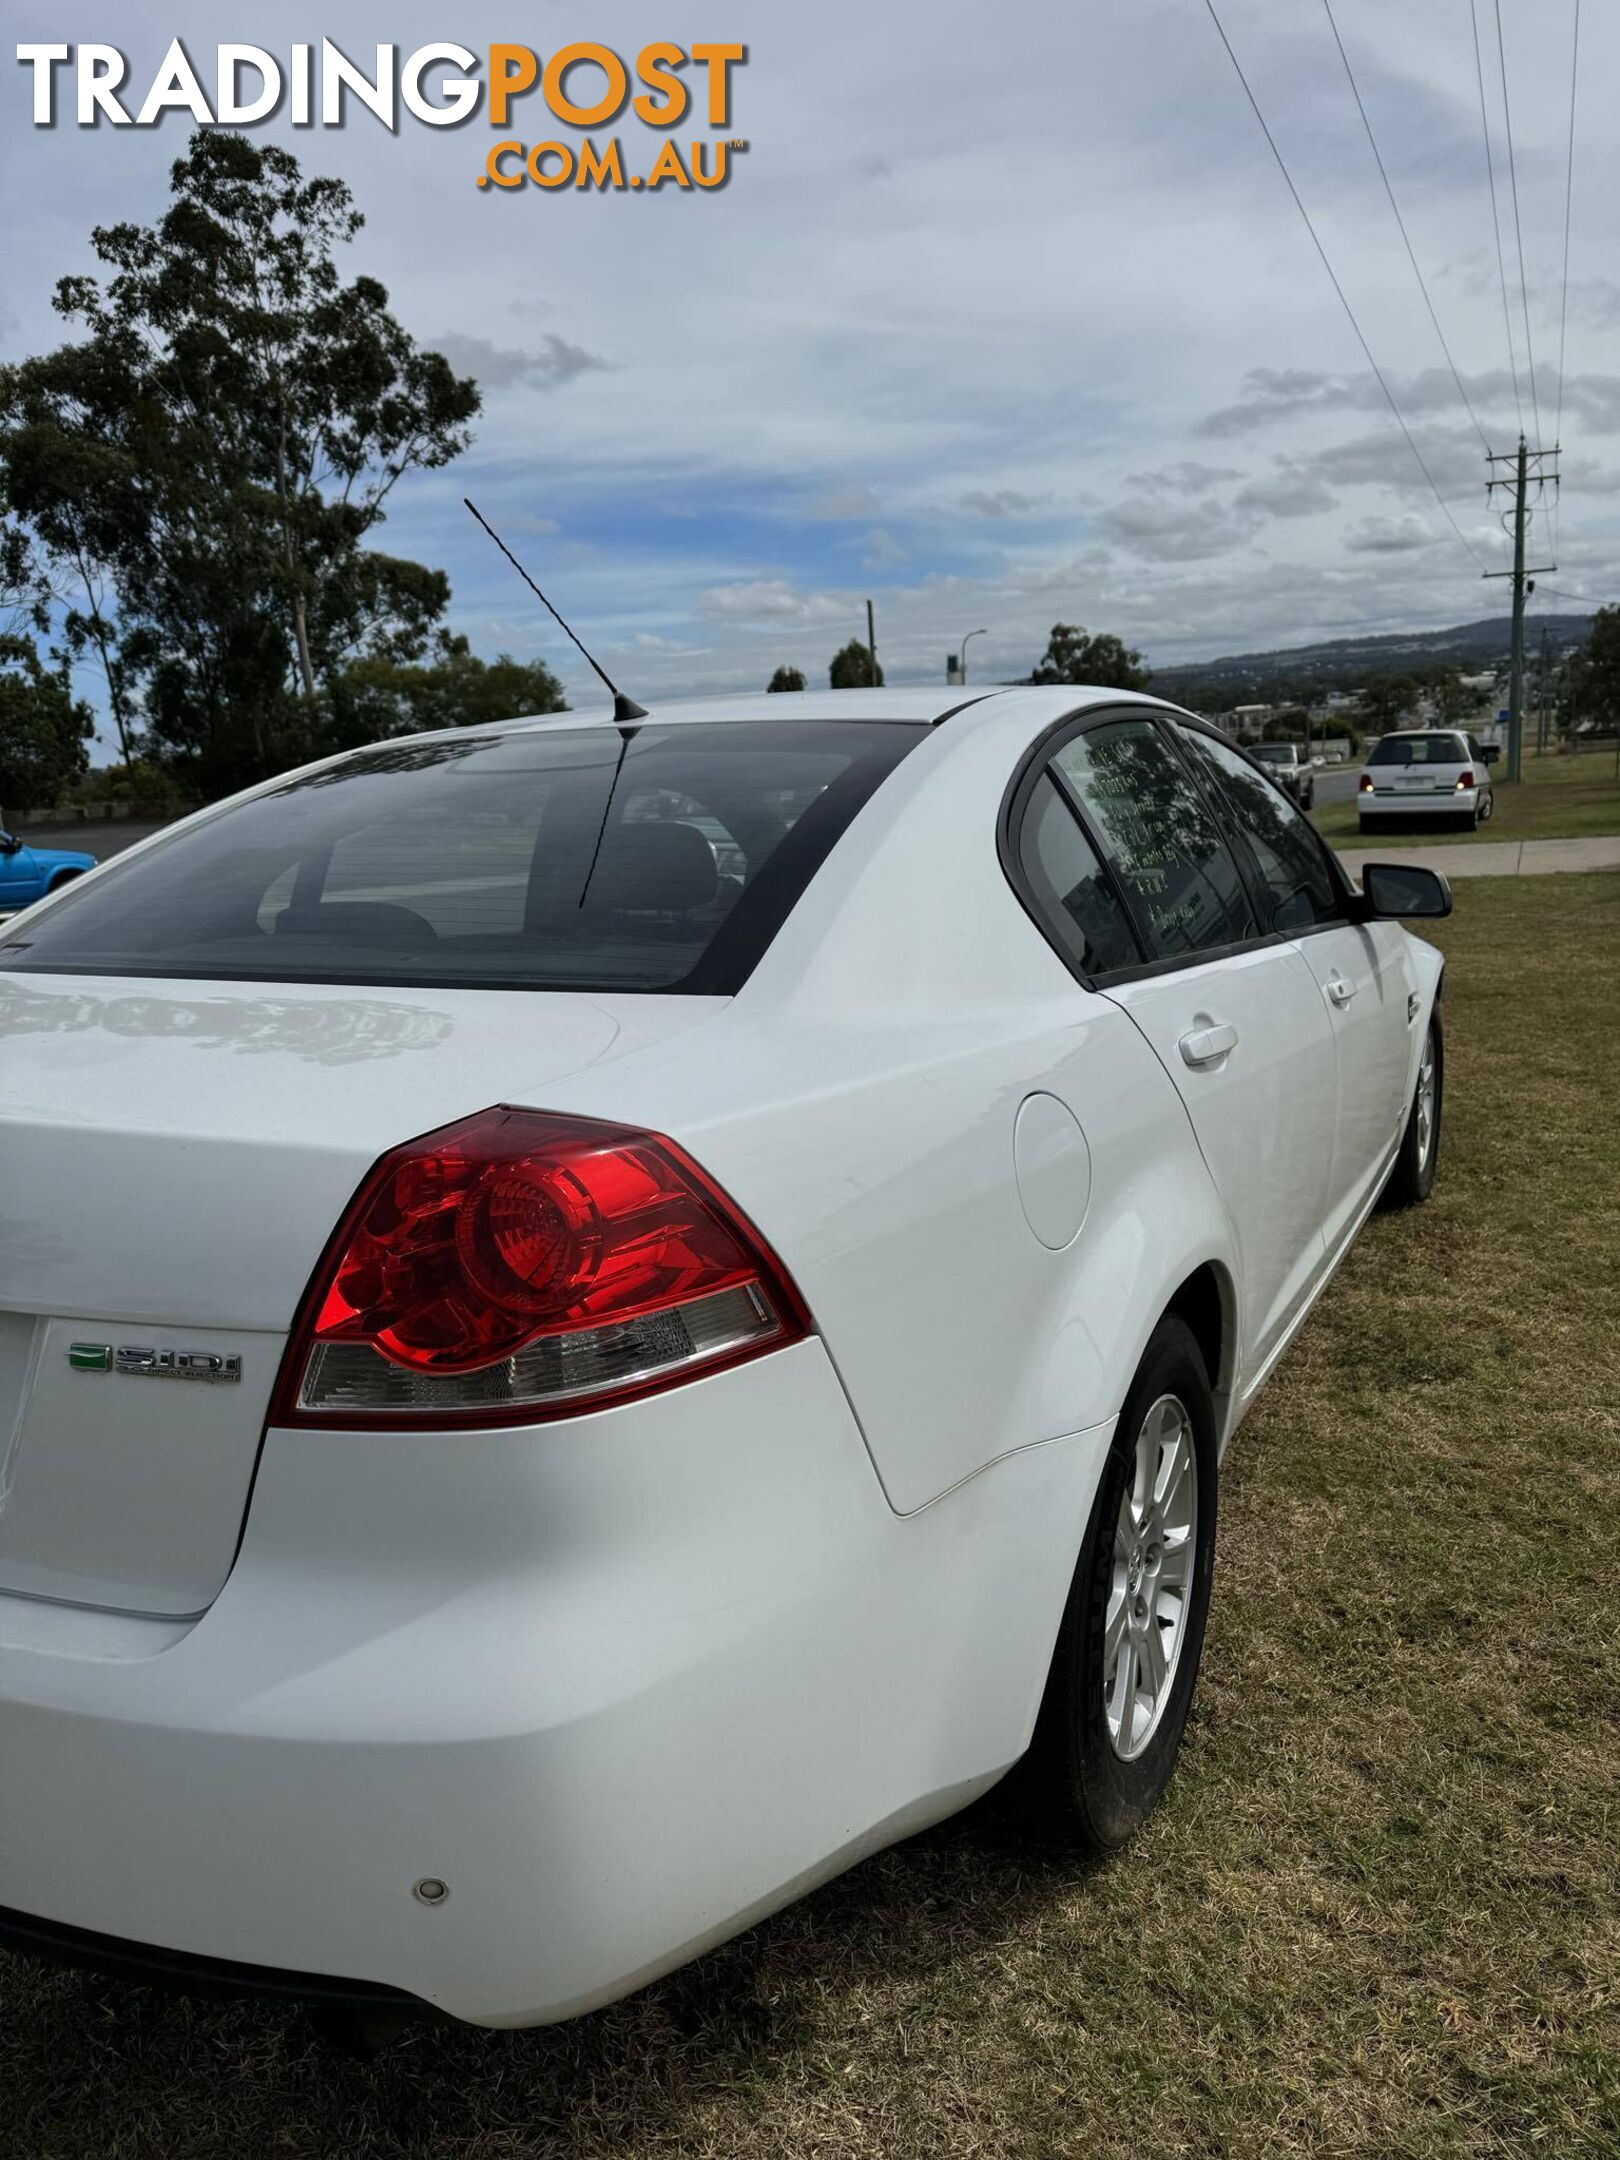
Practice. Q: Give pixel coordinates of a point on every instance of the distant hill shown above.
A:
(1343, 663)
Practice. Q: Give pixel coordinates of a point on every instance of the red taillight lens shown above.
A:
(1366, 783)
(520, 1265)
(1465, 778)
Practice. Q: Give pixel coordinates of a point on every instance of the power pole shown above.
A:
(1528, 466)
(871, 643)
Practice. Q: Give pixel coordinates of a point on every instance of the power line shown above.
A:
(1559, 593)
(1563, 303)
(1513, 182)
(1411, 257)
(1378, 372)
(1496, 220)
(1569, 196)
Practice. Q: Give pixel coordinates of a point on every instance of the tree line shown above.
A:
(1072, 655)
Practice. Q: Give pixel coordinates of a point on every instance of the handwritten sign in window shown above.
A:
(1159, 837)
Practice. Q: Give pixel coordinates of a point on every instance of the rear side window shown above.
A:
(564, 858)
(1287, 853)
(1062, 865)
(1419, 750)
(1153, 826)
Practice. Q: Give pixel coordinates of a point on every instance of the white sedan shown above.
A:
(595, 1324)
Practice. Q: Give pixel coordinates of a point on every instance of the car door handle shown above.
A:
(1207, 1045)
(1340, 991)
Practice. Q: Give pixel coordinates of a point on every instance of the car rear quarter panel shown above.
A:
(889, 1190)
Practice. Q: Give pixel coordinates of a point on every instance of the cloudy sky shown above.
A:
(1006, 317)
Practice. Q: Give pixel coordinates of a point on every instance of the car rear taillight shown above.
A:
(1465, 778)
(521, 1265)
(1366, 783)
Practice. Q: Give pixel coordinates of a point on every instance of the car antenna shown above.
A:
(626, 712)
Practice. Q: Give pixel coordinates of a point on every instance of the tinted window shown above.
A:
(1273, 753)
(1419, 750)
(1159, 837)
(565, 858)
(1062, 865)
(1286, 851)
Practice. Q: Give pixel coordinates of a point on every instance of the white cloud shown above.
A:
(771, 599)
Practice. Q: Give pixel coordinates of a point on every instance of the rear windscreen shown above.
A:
(1420, 750)
(664, 858)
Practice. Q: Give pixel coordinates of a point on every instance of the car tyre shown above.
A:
(1087, 1781)
(1412, 1179)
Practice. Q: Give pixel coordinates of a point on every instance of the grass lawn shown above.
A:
(1559, 798)
(1379, 1913)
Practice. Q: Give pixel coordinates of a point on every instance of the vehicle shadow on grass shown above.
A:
(93, 2066)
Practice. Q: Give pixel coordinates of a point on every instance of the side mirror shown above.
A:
(1490, 752)
(9, 844)
(1392, 891)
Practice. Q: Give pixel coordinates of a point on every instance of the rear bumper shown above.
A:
(215, 1979)
(624, 1684)
(1454, 802)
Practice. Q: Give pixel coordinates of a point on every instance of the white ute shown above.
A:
(596, 1323)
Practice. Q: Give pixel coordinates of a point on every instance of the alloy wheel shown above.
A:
(1155, 1543)
(1425, 1102)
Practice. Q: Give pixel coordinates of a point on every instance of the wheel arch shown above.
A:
(1207, 1301)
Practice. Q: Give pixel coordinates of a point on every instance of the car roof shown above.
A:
(921, 704)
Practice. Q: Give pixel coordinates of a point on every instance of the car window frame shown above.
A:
(1051, 922)
(1261, 896)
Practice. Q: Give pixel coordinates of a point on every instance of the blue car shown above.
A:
(29, 873)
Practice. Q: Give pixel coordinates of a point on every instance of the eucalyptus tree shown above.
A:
(214, 452)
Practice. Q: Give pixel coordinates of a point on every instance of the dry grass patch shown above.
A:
(1377, 1915)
